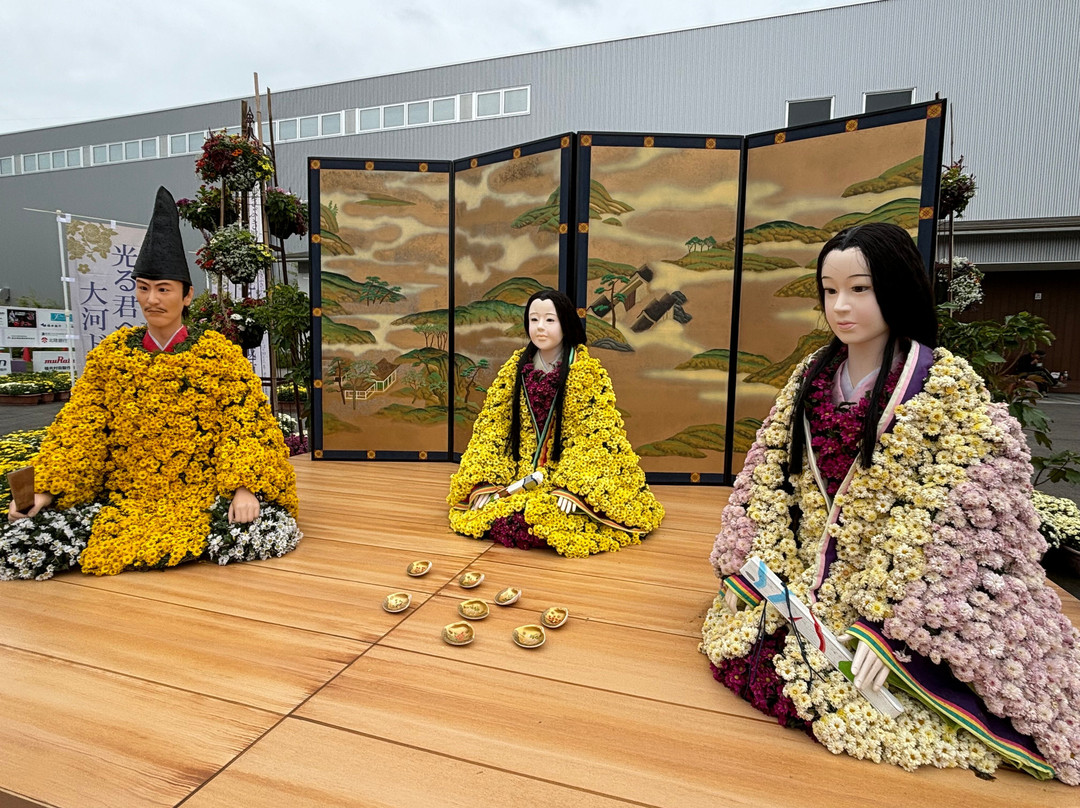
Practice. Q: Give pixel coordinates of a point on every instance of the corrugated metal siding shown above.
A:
(1026, 249)
(1008, 69)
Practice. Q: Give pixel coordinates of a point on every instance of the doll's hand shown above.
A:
(480, 502)
(868, 668)
(244, 507)
(41, 500)
(565, 505)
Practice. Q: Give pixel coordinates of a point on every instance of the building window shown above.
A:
(515, 101)
(488, 104)
(875, 102)
(810, 110)
(74, 158)
(418, 113)
(330, 124)
(394, 116)
(7, 166)
(444, 109)
(288, 129)
(370, 119)
(309, 127)
(29, 163)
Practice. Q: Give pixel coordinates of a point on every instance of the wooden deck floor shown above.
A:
(284, 683)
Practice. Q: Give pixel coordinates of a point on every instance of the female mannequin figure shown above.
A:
(895, 500)
(552, 408)
(166, 451)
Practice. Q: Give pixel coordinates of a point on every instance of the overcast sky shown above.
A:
(65, 61)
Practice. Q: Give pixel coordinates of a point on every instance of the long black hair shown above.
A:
(573, 335)
(906, 301)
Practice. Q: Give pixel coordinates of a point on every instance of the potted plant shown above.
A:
(1061, 529)
(204, 211)
(234, 159)
(286, 215)
(234, 252)
(23, 392)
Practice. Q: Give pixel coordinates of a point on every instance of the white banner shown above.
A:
(101, 257)
(54, 328)
(52, 360)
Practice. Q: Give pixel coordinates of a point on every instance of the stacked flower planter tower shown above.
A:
(238, 210)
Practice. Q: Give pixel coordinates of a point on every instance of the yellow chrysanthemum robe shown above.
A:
(158, 437)
(598, 469)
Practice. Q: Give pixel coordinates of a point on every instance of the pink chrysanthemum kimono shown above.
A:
(931, 555)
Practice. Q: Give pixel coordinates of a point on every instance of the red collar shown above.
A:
(149, 344)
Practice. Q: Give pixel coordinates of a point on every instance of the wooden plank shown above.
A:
(250, 662)
(380, 566)
(79, 737)
(306, 765)
(653, 605)
(257, 592)
(649, 664)
(631, 748)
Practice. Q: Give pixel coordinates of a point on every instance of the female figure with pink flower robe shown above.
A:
(894, 498)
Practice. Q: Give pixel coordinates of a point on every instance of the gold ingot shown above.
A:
(458, 634)
(554, 617)
(418, 568)
(474, 609)
(530, 636)
(508, 596)
(397, 602)
(471, 580)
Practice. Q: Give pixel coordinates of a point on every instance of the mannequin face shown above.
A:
(545, 330)
(851, 307)
(162, 303)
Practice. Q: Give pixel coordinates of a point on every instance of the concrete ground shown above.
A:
(1062, 409)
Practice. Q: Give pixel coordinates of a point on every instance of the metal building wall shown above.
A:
(1009, 71)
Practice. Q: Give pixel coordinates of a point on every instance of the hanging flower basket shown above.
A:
(286, 215)
(957, 190)
(235, 159)
(204, 211)
(234, 252)
(234, 319)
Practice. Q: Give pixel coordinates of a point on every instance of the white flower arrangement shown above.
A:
(49, 543)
